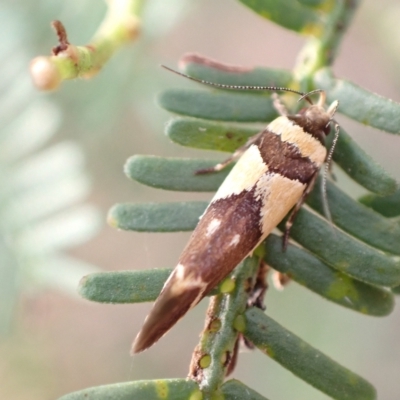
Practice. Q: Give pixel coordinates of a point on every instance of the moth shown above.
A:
(276, 170)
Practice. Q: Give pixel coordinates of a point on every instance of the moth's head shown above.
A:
(315, 119)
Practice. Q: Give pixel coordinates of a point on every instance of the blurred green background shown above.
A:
(52, 342)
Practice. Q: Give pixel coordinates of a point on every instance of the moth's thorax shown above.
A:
(296, 137)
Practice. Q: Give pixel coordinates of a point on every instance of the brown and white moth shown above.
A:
(276, 170)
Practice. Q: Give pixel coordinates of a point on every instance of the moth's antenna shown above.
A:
(240, 87)
(326, 171)
(305, 95)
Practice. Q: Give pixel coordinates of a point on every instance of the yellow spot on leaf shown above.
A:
(161, 389)
(215, 325)
(227, 286)
(205, 361)
(312, 29)
(266, 14)
(342, 287)
(327, 6)
(196, 395)
(268, 350)
(364, 310)
(112, 221)
(260, 252)
(240, 323)
(217, 396)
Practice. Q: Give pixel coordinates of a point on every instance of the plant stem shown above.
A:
(215, 354)
(320, 51)
(120, 25)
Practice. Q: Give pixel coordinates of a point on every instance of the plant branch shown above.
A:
(120, 25)
(214, 357)
(320, 51)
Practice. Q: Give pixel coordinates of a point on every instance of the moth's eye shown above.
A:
(327, 129)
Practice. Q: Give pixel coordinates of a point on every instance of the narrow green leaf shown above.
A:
(343, 252)
(305, 361)
(162, 389)
(157, 217)
(218, 105)
(205, 135)
(360, 166)
(287, 13)
(214, 72)
(388, 206)
(174, 173)
(307, 270)
(236, 390)
(358, 220)
(123, 286)
(360, 104)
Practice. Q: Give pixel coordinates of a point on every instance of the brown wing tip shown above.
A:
(167, 310)
(139, 344)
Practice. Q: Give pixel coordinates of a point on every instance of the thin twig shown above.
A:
(215, 355)
(120, 26)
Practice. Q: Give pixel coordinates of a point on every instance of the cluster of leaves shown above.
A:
(354, 263)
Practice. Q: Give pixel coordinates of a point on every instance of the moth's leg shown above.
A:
(292, 216)
(259, 287)
(278, 105)
(236, 155)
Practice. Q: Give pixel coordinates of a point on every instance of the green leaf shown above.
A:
(309, 271)
(288, 13)
(162, 389)
(305, 361)
(360, 166)
(236, 390)
(157, 217)
(205, 135)
(123, 286)
(358, 220)
(344, 253)
(174, 173)
(218, 105)
(388, 206)
(360, 104)
(217, 73)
